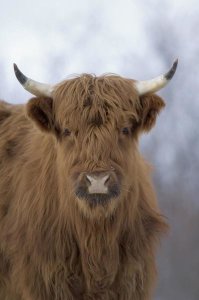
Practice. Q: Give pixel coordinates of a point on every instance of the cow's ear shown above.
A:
(151, 105)
(40, 110)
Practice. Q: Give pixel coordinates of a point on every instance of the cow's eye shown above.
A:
(66, 132)
(125, 131)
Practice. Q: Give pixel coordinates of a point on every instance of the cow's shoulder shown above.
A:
(5, 111)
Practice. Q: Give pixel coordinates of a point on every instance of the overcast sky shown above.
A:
(81, 36)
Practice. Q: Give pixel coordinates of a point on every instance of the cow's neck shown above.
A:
(99, 242)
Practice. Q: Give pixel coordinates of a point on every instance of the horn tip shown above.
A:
(172, 71)
(16, 69)
(20, 76)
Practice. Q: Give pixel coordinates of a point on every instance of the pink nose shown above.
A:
(97, 183)
(97, 187)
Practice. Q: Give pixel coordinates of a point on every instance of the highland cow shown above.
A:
(78, 212)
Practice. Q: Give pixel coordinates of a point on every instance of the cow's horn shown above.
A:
(155, 84)
(32, 86)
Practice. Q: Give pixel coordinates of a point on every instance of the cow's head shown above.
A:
(96, 122)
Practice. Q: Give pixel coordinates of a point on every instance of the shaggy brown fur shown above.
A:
(53, 245)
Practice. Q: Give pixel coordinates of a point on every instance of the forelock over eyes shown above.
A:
(83, 90)
(89, 100)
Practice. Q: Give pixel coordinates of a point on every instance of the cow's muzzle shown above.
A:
(98, 187)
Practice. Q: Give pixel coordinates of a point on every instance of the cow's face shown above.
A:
(96, 122)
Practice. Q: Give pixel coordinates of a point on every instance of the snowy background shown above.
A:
(50, 40)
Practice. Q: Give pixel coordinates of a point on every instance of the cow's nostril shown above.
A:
(88, 181)
(107, 179)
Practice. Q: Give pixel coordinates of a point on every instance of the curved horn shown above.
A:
(34, 87)
(157, 83)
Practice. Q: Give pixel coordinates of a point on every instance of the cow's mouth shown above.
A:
(95, 199)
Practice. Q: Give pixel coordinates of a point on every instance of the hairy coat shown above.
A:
(53, 244)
